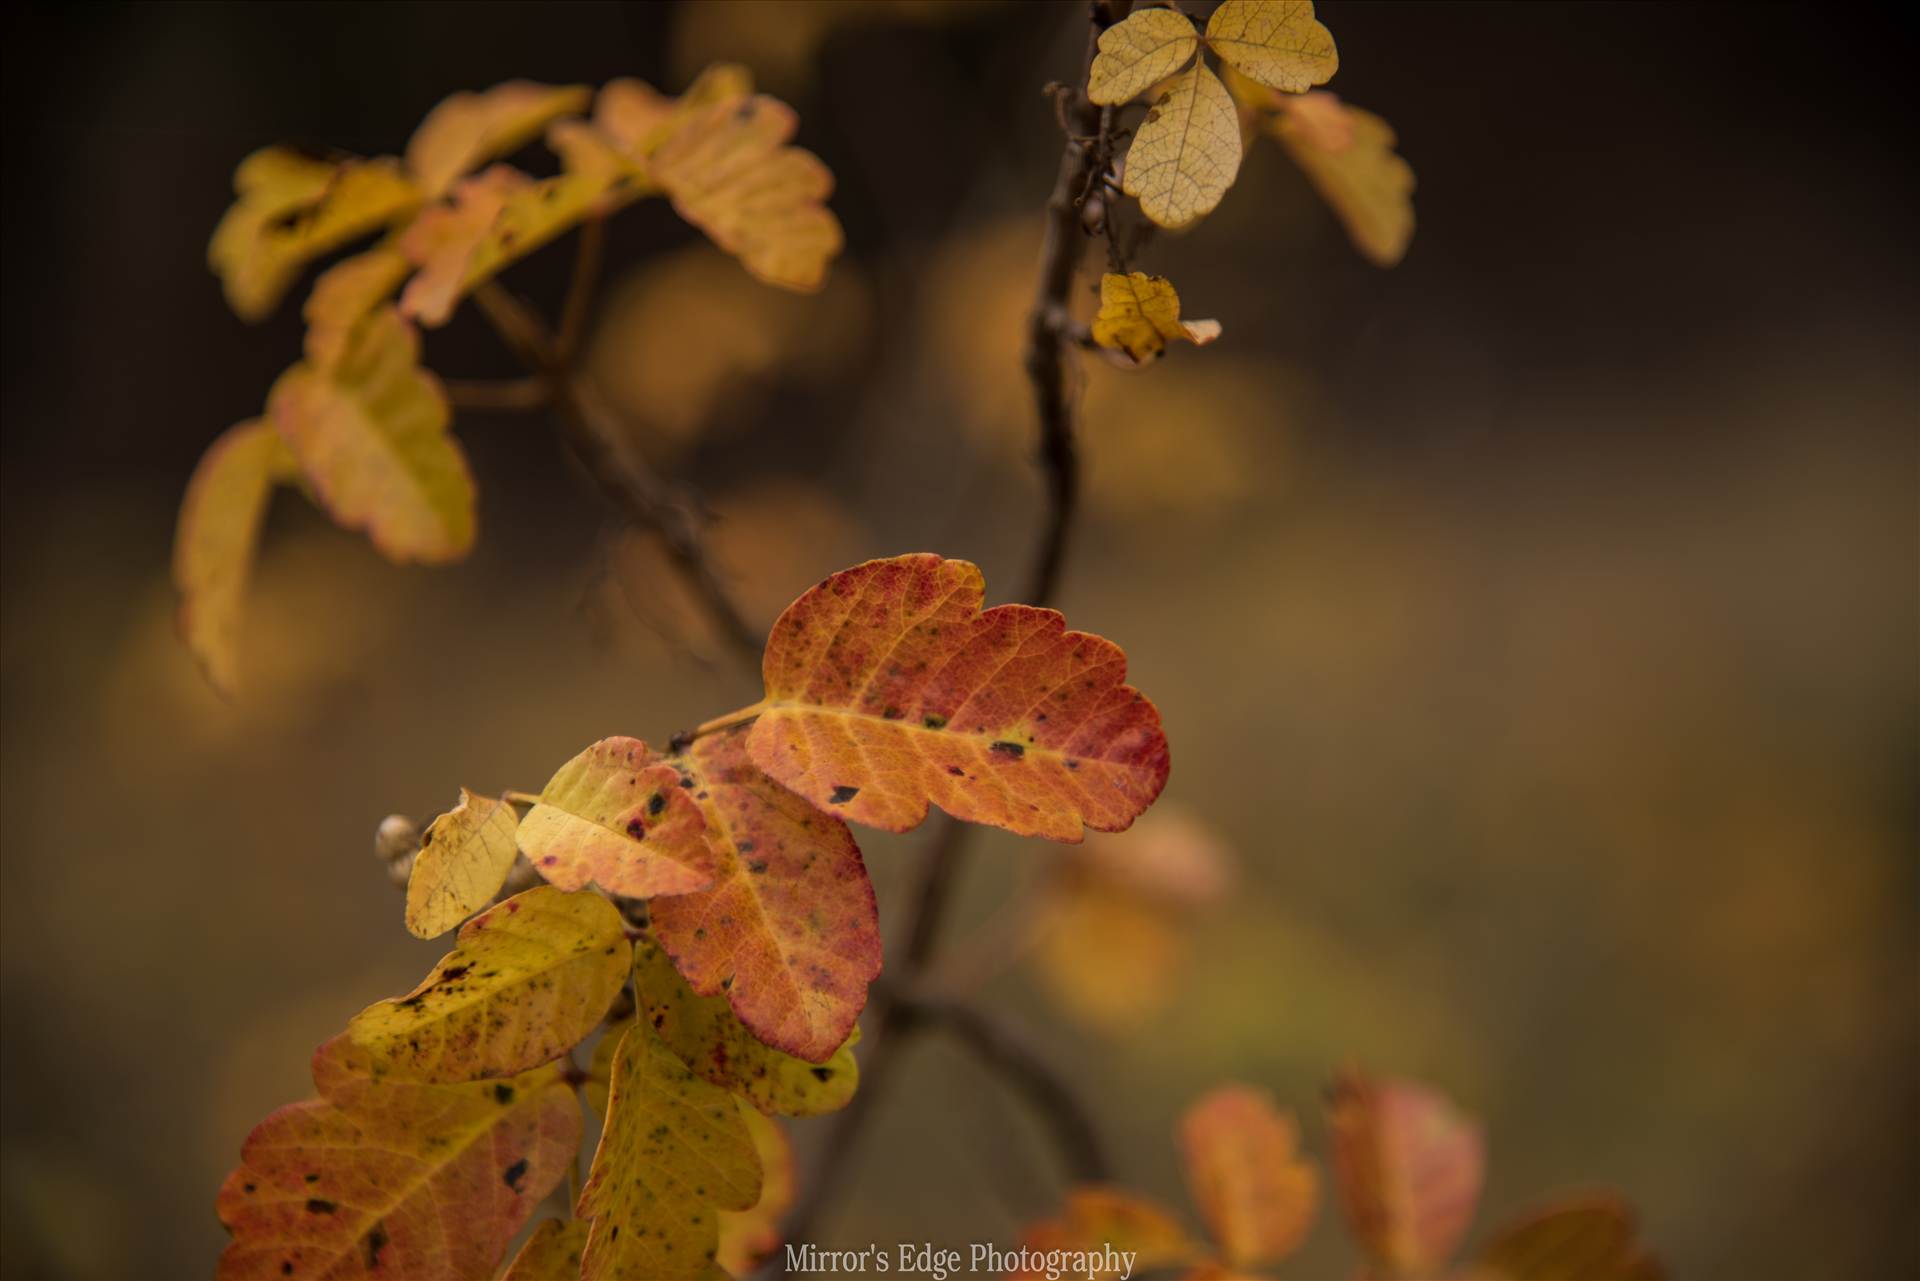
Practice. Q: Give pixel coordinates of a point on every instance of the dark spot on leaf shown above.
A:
(454, 972)
(955, 770)
(515, 1172)
(313, 1178)
(636, 829)
(842, 794)
(374, 1242)
(1005, 748)
(503, 1094)
(935, 722)
(317, 1206)
(823, 1074)
(756, 865)
(657, 804)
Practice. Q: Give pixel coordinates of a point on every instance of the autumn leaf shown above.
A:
(710, 1038)
(463, 861)
(345, 295)
(395, 1179)
(888, 689)
(1096, 1217)
(214, 544)
(748, 1236)
(637, 118)
(788, 929)
(675, 1152)
(1409, 1168)
(371, 437)
(1140, 315)
(529, 979)
(552, 1253)
(1138, 53)
(616, 817)
(1186, 153)
(1276, 42)
(467, 129)
(1348, 154)
(1256, 1192)
(291, 209)
(1582, 1238)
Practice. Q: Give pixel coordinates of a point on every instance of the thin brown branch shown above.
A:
(586, 277)
(504, 394)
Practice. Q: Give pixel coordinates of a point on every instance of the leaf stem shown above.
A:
(686, 737)
(508, 394)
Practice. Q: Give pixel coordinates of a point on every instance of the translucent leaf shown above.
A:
(1348, 155)
(345, 295)
(291, 209)
(1582, 1238)
(888, 689)
(552, 1253)
(1256, 1193)
(463, 861)
(637, 118)
(748, 1236)
(1096, 1217)
(788, 929)
(1140, 315)
(389, 1178)
(616, 817)
(529, 979)
(711, 1039)
(1277, 42)
(1186, 153)
(469, 129)
(371, 437)
(1135, 55)
(214, 544)
(674, 1153)
(1409, 1169)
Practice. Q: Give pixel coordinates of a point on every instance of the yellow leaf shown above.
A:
(345, 295)
(1257, 1194)
(674, 1153)
(711, 1039)
(552, 1253)
(463, 861)
(1140, 315)
(616, 817)
(1186, 153)
(1348, 155)
(637, 118)
(468, 129)
(1277, 42)
(371, 437)
(1109, 958)
(1582, 1238)
(529, 979)
(214, 544)
(1140, 52)
(748, 1236)
(293, 208)
(1097, 1217)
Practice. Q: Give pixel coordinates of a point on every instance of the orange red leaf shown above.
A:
(1257, 1194)
(1409, 1169)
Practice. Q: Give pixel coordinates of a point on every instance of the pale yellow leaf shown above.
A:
(214, 544)
(468, 129)
(1140, 315)
(371, 437)
(1135, 55)
(1348, 155)
(1277, 42)
(552, 1253)
(1186, 153)
(345, 295)
(463, 861)
(749, 1236)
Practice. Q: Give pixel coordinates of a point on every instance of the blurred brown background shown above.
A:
(1535, 622)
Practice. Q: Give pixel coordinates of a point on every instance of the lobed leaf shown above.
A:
(464, 858)
(371, 437)
(747, 1237)
(713, 1041)
(1140, 52)
(1409, 1168)
(530, 978)
(1256, 1192)
(1276, 42)
(674, 1153)
(637, 119)
(1101, 1216)
(345, 295)
(214, 543)
(1581, 1238)
(467, 129)
(1140, 315)
(1348, 154)
(552, 1253)
(889, 689)
(616, 816)
(1186, 153)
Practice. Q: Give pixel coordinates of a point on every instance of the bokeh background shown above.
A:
(1535, 623)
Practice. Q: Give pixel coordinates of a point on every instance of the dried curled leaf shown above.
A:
(552, 1253)
(1140, 52)
(345, 295)
(711, 1039)
(1349, 156)
(1409, 1167)
(1098, 1217)
(291, 209)
(747, 1237)
(1276, 42)
(1582, 1238)
(1186, 153)
(788, 929)
(387, 1178)
(616, 817)
(888, 689)
(214, 543)
(1253, 1188)
(675, 1152)
(464, 859)
(529, 979)
(1140, 315)
(469, 129)
(371, 436)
